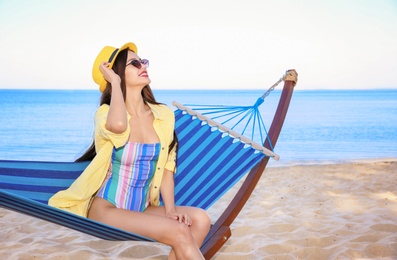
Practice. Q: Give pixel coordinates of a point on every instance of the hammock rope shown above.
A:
(249, 118)
(225, 130)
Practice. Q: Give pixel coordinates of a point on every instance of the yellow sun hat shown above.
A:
(108, 54)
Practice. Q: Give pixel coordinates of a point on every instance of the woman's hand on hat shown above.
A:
(109, 74)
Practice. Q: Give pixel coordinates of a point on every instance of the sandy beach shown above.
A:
(329, 211)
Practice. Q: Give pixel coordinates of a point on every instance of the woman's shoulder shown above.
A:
(103, 108)
(165, 108)
(102, 112)
(162, 110)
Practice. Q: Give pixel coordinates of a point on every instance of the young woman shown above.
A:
(133, 161)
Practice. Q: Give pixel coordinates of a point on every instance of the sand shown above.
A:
(329, 211)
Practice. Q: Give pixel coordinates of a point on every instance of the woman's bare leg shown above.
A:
(201, 222)
(162, 229)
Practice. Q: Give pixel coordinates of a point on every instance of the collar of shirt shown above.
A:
(157, 111)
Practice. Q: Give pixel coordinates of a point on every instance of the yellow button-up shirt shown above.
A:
(77, 198)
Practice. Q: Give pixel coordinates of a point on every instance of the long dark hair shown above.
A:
(147, 95)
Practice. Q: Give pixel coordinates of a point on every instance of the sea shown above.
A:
(322, 126)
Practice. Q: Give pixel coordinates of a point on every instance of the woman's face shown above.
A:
(133, 75)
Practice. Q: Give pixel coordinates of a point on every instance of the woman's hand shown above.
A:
(109, 74)
(182, 218)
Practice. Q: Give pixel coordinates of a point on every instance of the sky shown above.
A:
(206, 44)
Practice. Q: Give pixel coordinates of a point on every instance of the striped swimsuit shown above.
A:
(128, 181)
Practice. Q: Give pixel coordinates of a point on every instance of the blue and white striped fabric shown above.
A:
(209, 161)
(38, 181)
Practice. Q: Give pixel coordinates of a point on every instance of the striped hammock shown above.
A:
(211, 159)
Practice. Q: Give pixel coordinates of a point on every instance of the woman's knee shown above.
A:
(201, 218)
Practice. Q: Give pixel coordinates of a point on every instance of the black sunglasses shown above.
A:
(138, 63)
